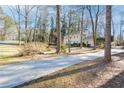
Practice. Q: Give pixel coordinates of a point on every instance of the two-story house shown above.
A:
(75, 37)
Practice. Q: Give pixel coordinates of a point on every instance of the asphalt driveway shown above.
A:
(12, 75)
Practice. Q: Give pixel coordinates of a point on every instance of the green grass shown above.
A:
(8, 50)
(8, 54)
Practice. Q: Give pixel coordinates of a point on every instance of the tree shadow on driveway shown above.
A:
(91, 68)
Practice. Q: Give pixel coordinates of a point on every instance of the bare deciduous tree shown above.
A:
(82, 27)
(94, 22)
(58, 29)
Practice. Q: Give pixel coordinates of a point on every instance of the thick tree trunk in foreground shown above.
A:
(107, 53)
(58, 30)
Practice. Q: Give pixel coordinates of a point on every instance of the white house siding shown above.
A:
(12, 33)
(75, 38)
(88, 40)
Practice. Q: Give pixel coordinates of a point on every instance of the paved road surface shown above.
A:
(15, 74)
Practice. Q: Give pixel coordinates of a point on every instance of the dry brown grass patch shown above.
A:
(34, 48)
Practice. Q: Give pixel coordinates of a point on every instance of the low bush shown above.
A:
(63, 48)
(34, 48)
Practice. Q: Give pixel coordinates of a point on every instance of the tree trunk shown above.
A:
(69, 42)
(107, 54)
(93, 34)
(69, 30)
(26, 32)
(26, 24)
(35, 25)
(58, 30)
(82, 28)
(19, 27)
(94, 24)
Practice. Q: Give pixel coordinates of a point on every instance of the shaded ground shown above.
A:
(94, 73)
(79, 75)
(117, 69)
(115, 82)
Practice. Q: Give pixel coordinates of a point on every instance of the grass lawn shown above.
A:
(85, 74)
(8, 54)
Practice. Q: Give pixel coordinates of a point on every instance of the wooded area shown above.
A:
(49, 38)
(50, 25)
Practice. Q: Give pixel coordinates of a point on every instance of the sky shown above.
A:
(116, 12)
